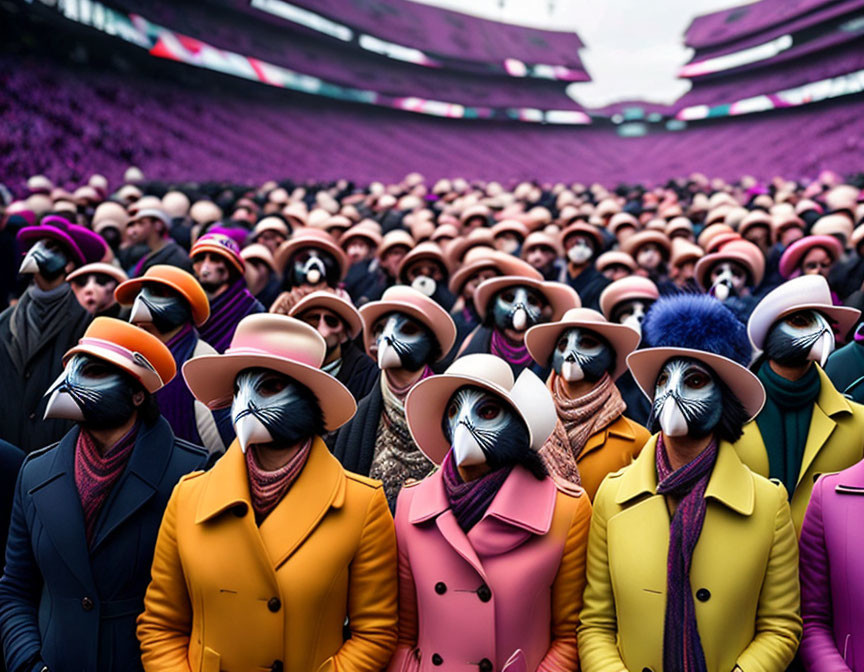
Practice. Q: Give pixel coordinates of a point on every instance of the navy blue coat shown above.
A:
(74, 607)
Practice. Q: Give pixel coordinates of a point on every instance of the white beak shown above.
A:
(388, 358)
(721, 291)
(140, 312)
(29, 265)
(822, 348)
(61, 405)
(250, 430)
(572, 372)
(633, 322)
(425, 285)
(520, 319)
(672, 420)
(313, 277)
(466, 450)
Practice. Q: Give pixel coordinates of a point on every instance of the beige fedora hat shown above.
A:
(334, 303)
(560, 296)
(402, 299)
(527, 395)
(541, 338)
(280, 343)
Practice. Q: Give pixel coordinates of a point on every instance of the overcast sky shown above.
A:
(634, 47)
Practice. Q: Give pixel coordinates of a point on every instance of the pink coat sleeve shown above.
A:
(818, 650)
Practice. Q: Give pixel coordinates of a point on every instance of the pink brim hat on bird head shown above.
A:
(278, 343)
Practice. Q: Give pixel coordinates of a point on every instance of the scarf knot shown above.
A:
(469, 501)
(267, 488)
(682, 647)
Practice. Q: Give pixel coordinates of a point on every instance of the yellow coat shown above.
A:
(835, 442)
(744, 573)
(609, 450)
(229, 596)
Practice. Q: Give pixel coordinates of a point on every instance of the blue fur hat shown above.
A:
(698, 322)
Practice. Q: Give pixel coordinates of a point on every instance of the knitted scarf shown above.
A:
(175, 401)
(785, 418)
(682, 647)
(469, 501)
(37, 318)
(267, 488)
(226, 310)
(516, 355)
(579, 418)
(396, 457)
(96, 473)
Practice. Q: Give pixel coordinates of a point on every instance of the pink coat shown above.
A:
(505, 597)
(832, 573)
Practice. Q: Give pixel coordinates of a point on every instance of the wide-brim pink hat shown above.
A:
(627, 289)
(806, 292)
(504, 264)
(85, 246)
(527, 395)
(645, 365)
(314, 238)
(795, 253)
(742, 251)
(403, 299)
(561, 297)
(334, 303)
(279, 343)
(541, 338)
(100, 268)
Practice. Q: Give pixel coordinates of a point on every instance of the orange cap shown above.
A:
(173, 277)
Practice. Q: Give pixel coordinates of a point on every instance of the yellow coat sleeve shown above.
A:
(372, 594)
(598, 630)
(778, 617)
(567, 592)
(165, 625)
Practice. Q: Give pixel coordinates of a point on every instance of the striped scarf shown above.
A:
(96, 473)
(267, 488)
(682, 647)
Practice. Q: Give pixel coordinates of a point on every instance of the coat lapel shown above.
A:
(822, 423)
(58, 507)
(620, 429)
(140, 480)
(320, 486)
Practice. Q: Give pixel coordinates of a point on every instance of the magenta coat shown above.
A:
(832, 573)
(503, 598)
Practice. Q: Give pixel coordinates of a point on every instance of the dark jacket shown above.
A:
(355, 442)
(359, 372)
(589, 284)
(10, 463)
(171, 254)
(845, 368)
(74, 607)
(638, 406)
(480, 342)
(22, 390)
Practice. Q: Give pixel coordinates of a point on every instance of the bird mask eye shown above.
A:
(401, 342)
(802, 336)
(582, 354)
(687, 399)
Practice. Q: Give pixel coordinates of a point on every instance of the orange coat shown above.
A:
(609, 450)
(229, 596)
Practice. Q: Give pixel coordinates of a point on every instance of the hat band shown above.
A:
(298, 357)
(135, 359)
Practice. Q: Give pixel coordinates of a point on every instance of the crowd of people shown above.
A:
(452, 425)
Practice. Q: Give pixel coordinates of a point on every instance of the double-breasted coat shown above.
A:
(230, 596)
(68, 605)
(835, 442)
(508, 591)
(744, 572)
(832, 574)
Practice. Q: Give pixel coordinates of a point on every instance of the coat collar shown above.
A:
(830, 406)
(620, 429)
(731, 483)
(523, 501)
(320, 486)
(831, 401)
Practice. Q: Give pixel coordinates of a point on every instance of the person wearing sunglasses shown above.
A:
(94, 285)
(339, 322)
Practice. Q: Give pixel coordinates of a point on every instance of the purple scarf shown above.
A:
(96, 473)
(682, 647)
(517, 355)
(175, 401)
(469, 501)
(226, 310)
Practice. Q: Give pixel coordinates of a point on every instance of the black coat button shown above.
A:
(484, 593)
(485, 665)
(32, 416)
(647, 669)
(87, 604)
(437, 660)
(277, 666)
(703, 594)
(274, 604)
(440, 587)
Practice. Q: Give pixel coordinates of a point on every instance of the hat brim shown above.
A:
(425, 406)
(560, 296)
(129, 289)
(333, 304)
(704, 265)
(210, 378)
(441, 324)
(793, 257)
(844, 317)
(645, 365)
(541, 339)
(30, 235)
(513, 266)
(148, 377)
(112, 272)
